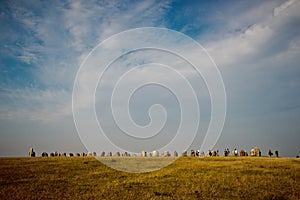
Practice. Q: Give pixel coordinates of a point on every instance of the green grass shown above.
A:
(186, 178)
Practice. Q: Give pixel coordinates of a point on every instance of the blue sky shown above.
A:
(255, 44)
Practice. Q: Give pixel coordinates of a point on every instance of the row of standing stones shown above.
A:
(254, 152)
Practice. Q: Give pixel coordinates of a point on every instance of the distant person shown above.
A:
(228, 151)
(225, 152)
(270, 153)
(276, 153)
(192, 153)
(235, 151)
(243, 153)
(209, 153)
(214, 153)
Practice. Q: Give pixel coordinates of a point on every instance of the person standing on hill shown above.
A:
(276, 153)
(270, 153)
(235, 151)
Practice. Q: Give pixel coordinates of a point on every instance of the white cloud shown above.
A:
(240, 46)
(262, 40)
(54, 40)
(90, 23)
(284, 6)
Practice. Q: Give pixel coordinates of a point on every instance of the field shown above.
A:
(186, 178)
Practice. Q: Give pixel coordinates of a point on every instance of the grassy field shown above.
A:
(186, 178)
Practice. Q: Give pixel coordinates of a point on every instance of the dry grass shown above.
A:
(187, 178)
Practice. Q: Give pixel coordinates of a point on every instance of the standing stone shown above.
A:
(125, 154)
(175, 154)
(166, 154)
(255, 152)
(102, 153)
(144, 154)
(155, 153)
(31, 152)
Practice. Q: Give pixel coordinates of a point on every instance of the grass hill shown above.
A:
(186, 178)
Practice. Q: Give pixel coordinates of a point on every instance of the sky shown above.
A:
(45, 45)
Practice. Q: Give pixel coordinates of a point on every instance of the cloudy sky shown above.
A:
(255, 44)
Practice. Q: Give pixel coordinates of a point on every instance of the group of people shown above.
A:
(270, 153)
(254, 152)
(235, 152)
